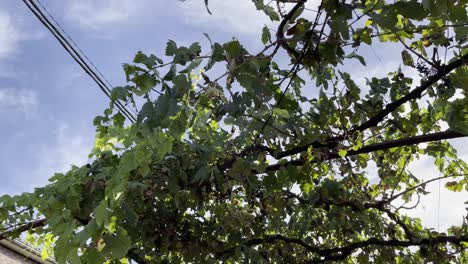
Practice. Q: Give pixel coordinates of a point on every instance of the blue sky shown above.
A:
(47, 103)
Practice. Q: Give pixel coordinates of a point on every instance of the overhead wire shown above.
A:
(76, 55)
(84, 64)
(74, 43)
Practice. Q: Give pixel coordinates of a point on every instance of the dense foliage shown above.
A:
(275, 156)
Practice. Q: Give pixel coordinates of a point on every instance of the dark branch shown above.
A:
(415, 94)
(375, 147)
(354, 205)
(392, 198)
(372, 122)
(132, 254)
(280, 33)
(24, 227)
(340, 253)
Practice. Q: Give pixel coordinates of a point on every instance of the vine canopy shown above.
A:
(275, 155)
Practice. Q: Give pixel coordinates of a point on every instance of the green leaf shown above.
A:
(218, 52)
(93, 256)
(149, 62)
(268, 10)
(181, 86)
(101, 213)
(233, 49)
(193, 65)
(353, 55)
(117, 245)
(195, 49)
(146, 111)
(411, 9)
(165, 147)
(461, 33)
(342, 153)
(118, 119)
(407, 58)
(72, 257)
(139, 57)
(457, 116)
(281, 112)
(454, 186)
(141, 156)
(217, 55)
(201, 175)
(130, 215)
(266, 35)
(171, 48)
(183, 55)
(119, 93)
(332, 187)
(171, 73)
(144, 83)
(427, 4)
(342, 14)
(460, 79)
(247, 79)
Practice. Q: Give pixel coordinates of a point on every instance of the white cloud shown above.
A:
(13, 32)
(97, 15)
(230, 15)
(236, 16)
(68, 148)
(9, 36)
(69, 77)
(441, 208)
(19, 100)
(9, 71)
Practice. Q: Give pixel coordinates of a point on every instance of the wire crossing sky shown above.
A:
(76, 53)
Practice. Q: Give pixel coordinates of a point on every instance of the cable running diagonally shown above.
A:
(76, 55)
(74, 43)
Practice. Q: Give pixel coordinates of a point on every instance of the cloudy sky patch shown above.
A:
(99, 15)
(9, 36)
(18, 100)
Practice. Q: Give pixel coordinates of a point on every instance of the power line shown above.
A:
(76, 55)
(74, 43)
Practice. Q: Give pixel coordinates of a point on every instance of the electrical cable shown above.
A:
(74, 43)
(76, 56)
